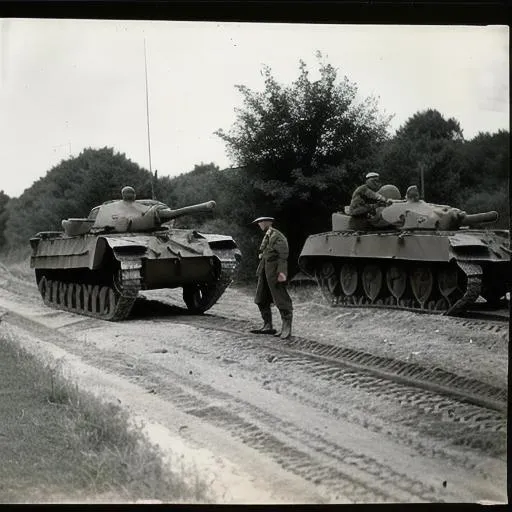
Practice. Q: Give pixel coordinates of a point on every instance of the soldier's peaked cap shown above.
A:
(372, 175)
(261, 219)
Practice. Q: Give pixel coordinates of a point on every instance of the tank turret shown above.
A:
(407, 215)
(130, 216)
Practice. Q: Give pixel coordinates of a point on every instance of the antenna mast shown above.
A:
(147, 118)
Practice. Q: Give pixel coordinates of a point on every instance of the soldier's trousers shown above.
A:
(270, 291)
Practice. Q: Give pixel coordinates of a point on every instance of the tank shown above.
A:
(411, 255)
(97, 265)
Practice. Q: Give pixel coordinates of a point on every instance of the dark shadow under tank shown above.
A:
(411, 255)
(98, 264)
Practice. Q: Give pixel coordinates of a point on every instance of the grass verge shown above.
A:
(60, 444)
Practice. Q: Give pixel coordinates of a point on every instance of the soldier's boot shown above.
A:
(266, 314)
(286, 324)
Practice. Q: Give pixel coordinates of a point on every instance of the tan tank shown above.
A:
(410, 255)
(97, 265)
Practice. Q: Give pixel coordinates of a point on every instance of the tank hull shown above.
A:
(437, 271)
(101, 275)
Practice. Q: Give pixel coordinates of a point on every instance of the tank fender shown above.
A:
(219, 240)
(463, 240)
(120, 247)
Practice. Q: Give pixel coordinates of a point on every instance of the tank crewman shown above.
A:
(412, 194)
(366, 198)
(272, 275)
(128, 194)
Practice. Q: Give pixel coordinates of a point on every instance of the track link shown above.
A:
(104, 301)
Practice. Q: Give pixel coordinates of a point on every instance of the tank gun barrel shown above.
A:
(167, 214)
(478, 218)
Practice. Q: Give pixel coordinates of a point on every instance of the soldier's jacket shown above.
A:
(364, 195)
(273, 253)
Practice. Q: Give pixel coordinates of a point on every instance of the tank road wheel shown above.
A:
(348, 279)
(70, 294)
(87, 288)
(328, 281)
(95, 310)
(106, 300)
(43, 288)
(55, 292)
(198, 297)
(422, 282)
(63, 288)
(372, 281)
(49, 291)
(447, 280)
(396, 279)
(79, 298)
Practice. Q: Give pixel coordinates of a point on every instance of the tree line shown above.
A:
(300, 149)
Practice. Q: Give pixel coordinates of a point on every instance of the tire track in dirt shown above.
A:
(343, 472)
(336, 468)
(314, 457)
(435, 380)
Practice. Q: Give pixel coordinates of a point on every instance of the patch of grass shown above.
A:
(17, 261)
(58, 443)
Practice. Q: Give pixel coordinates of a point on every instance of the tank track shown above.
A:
(112, 301)
(463, 296)
(201, 297)
(473, 287)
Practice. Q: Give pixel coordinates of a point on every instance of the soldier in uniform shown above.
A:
(128, 194)
(272, 275)
(412, 195)
(366, 198)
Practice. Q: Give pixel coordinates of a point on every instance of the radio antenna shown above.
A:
(147, 118)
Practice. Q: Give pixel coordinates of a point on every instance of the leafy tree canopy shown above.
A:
(71, 189)
(425, 149)
(4, 199)
(303, 146)
(431, 125)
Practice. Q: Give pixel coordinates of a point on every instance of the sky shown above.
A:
(66, 85)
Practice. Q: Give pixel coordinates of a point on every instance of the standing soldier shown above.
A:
(366, 198)
(272, 275)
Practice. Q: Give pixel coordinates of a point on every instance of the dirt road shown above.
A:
(271, 422)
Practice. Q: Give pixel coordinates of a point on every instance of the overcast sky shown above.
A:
(71, 84)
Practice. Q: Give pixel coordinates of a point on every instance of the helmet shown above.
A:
(128, 193)
(390, 192)
(412, 192)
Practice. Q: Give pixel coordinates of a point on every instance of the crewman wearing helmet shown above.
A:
(128, 194)
(365, 198)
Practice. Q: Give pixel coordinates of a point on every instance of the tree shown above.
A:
(302, 147)
(486, 164)
(71, 189)
(4, 199)
(425, 151)
(486, 160)
(430, 125)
